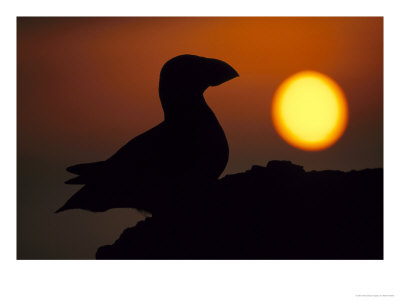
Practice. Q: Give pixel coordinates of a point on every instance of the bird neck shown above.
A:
(181, 107)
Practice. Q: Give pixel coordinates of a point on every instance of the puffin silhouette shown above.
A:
(188, 150)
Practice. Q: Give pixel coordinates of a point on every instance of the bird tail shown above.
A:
(87, 198)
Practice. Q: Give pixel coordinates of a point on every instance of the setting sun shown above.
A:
(309, 111)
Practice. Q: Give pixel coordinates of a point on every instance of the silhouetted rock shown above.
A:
(273, 212)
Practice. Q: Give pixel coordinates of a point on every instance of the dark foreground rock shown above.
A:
(274, 212)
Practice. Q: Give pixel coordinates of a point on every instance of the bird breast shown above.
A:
(205, 144)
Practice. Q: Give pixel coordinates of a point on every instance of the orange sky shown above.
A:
(88, 85)
(85, 86)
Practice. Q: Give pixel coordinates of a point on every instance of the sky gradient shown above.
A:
(86, 86)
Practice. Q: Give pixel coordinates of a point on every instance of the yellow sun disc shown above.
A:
(309, 111)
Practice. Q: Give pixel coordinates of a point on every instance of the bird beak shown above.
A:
(220, 71)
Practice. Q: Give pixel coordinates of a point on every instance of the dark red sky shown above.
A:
(86, 86)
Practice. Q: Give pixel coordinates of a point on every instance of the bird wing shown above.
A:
(141, 174)
(85, 172)
(85, 168)
(141, 155)
(134, 170)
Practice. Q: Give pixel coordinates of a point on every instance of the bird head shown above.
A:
(186, 77)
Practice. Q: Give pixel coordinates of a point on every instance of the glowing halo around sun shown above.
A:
(309, 111)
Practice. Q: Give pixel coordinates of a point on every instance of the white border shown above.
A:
(198, 279)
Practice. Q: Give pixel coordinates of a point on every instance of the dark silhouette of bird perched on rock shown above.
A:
(187, 150)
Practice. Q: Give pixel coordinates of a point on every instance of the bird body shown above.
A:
(187, 150)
